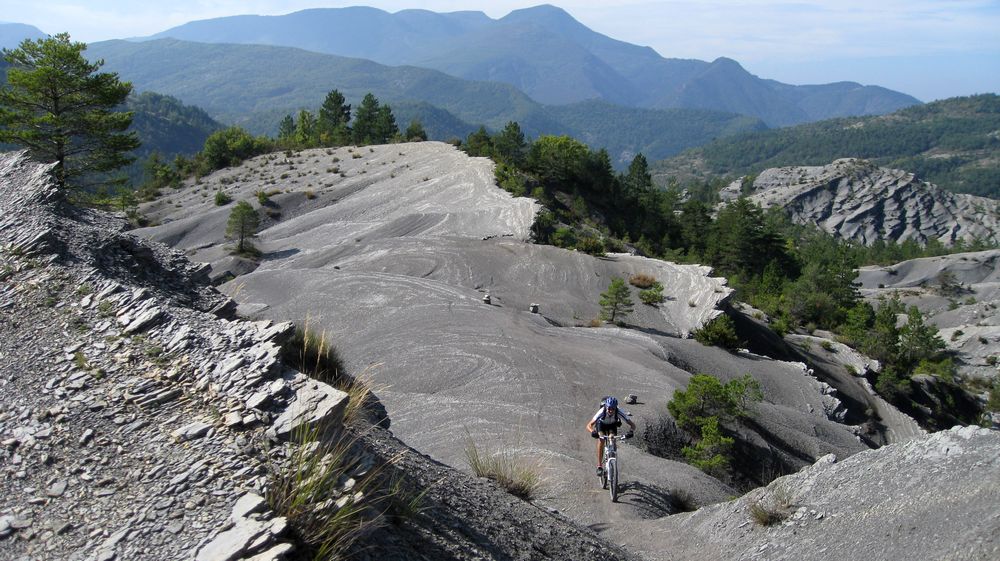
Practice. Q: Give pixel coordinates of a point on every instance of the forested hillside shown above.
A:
(954, 143)
(225, 81)
(167, 126)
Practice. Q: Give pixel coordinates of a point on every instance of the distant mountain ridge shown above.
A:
(11, 34)
(226, 81)
(547, 54)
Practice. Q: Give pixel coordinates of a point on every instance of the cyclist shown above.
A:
(607, 420)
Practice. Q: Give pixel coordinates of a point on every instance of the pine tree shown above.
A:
(242, 225)
(509, 144)
(615, 302)
(62, 110)
(286, 129)
(479, 143)
(385, 125)
(305, 129)
(415, 132)
(365, 119)
(332, 121)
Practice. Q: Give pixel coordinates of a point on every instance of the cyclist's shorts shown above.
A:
(612, 428)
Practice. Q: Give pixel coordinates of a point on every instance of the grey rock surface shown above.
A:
(399, 290)
(959, 294)
(90, 467)
(932, 497)
(856, 200)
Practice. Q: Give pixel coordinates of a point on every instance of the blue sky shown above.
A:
(929, 49)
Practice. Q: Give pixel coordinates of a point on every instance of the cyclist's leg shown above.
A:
(600, 455)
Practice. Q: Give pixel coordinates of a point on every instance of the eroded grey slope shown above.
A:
(959, 294)
(858, 201)
(928, 498)
(390, 254)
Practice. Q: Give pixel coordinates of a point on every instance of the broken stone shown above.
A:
(191, 431)
(57, 489)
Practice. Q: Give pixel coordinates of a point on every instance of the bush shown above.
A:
(707, 397)
(712, 451)
(518, 477)
(720, 332)
(993, 399)
(652, 296)
(221, 198)
(262, 197)
(563, 237)
(642, 280)
(590, 245)
(229, 147)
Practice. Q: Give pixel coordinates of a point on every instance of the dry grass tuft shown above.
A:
(774, 511)
(331, 495)
(641, 280)
(519, 477)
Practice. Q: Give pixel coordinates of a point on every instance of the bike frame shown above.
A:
(611, 464)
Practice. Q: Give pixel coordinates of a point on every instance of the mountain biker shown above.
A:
(607, 420)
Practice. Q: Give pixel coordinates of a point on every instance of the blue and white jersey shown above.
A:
(619, 414)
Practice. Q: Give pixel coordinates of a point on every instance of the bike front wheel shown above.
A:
(612, 472)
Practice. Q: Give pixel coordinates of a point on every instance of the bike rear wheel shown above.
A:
(613, 479)
(604, 476)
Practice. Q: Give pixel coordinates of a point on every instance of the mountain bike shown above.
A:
(609, 478)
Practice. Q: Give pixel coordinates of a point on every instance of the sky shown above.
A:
(928, 49)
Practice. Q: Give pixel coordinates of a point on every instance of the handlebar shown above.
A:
(615, 437)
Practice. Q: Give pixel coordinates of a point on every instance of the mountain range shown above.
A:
(11, 34)
(226, 81)
(548, 55)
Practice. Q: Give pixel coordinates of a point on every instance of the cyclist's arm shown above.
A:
(628, 418)
(592, 425)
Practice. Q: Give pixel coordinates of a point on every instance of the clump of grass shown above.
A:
(310, 195)
(519, 477)
(682, 501)
(312, 354)
(776, 510)
(221, 198)
(81, 361)
(331, 495)
(641, 280)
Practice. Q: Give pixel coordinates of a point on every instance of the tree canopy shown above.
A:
(615, 301)
(242, 226)
(58, 106)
